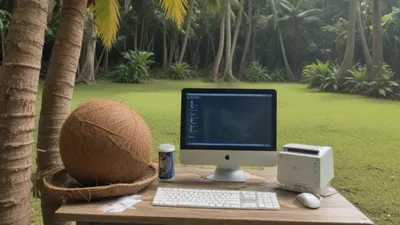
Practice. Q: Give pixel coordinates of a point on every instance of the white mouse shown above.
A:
(309, 200)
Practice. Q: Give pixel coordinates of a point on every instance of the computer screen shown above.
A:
(229, 119)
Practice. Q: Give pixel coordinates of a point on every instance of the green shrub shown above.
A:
(333, 80)
(278, 75)
(329, 78)
(356, 80)
(181, 71)
(314, 74)
(135, 68)
(383, 86)
(256, 72)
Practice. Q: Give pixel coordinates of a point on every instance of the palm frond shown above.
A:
(213, 5)
(274, 12)
(286, 6)
(265, 22)
(312, 20)
(106, 19)
(310, 13)
(299, 3)
(175, 10)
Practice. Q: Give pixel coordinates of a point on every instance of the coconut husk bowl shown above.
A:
(61, 184)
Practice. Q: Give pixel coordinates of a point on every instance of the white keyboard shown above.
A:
(223, 199)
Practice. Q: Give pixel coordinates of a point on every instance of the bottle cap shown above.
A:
(166, 148)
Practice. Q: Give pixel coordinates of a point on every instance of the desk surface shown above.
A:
(334, 209)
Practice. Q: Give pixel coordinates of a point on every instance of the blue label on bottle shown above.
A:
(166, 161)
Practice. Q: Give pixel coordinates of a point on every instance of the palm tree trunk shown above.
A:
(207, 57)
(172, 48)
(220, 51)
(136, 37)
(213, 46)
(176, 49)
(2, 42)
(347, 62)
(187, 30)
(377, 45)
(56, 97)
(228, 44)
(236, 34)
(364, 44)
(145, 36)
(165, 50)
(151, 41)
(96, 69)
(254, 35)
(295, 46)
(86, 76)
(196, 55)
(105, 65)
(142, 35)
(247, 41)
(289, 72)
(19, 79)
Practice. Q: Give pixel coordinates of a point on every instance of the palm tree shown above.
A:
(225, 33)
(86, 75)
(231, 44)
(295, 17)
(60, 79)
(187, 30)
(377, 45)
(228, 43)
(56, 97)
(237, 29)
(19, 79)
(215, 6)
(247, 39)
(266, 22)
(347, 62)
(364, 44)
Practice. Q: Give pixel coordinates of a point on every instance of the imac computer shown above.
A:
(228, 128)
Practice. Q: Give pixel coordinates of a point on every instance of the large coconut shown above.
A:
(104, 142)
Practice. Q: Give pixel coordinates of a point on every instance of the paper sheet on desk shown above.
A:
(122, 204)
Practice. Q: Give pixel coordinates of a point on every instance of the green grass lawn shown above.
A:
(364, 133)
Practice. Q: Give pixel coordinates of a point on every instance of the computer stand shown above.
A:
(228, 174)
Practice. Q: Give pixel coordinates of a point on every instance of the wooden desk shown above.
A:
(334, 209)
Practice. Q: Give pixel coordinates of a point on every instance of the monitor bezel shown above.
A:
(186, 91)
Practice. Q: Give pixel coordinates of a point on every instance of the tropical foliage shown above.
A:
(134, 68)
(326, 76)
(257, 73)
(181, 71)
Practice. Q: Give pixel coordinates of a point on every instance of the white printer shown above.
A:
(305, 168)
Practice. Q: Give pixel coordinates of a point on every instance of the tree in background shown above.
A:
(377, 45)
(363, 40)
(19, 79)
(247, 38)
(295, 16)
(272, 21)
(87, 74)
(216, 6)
(348, 59)
(187, 30)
